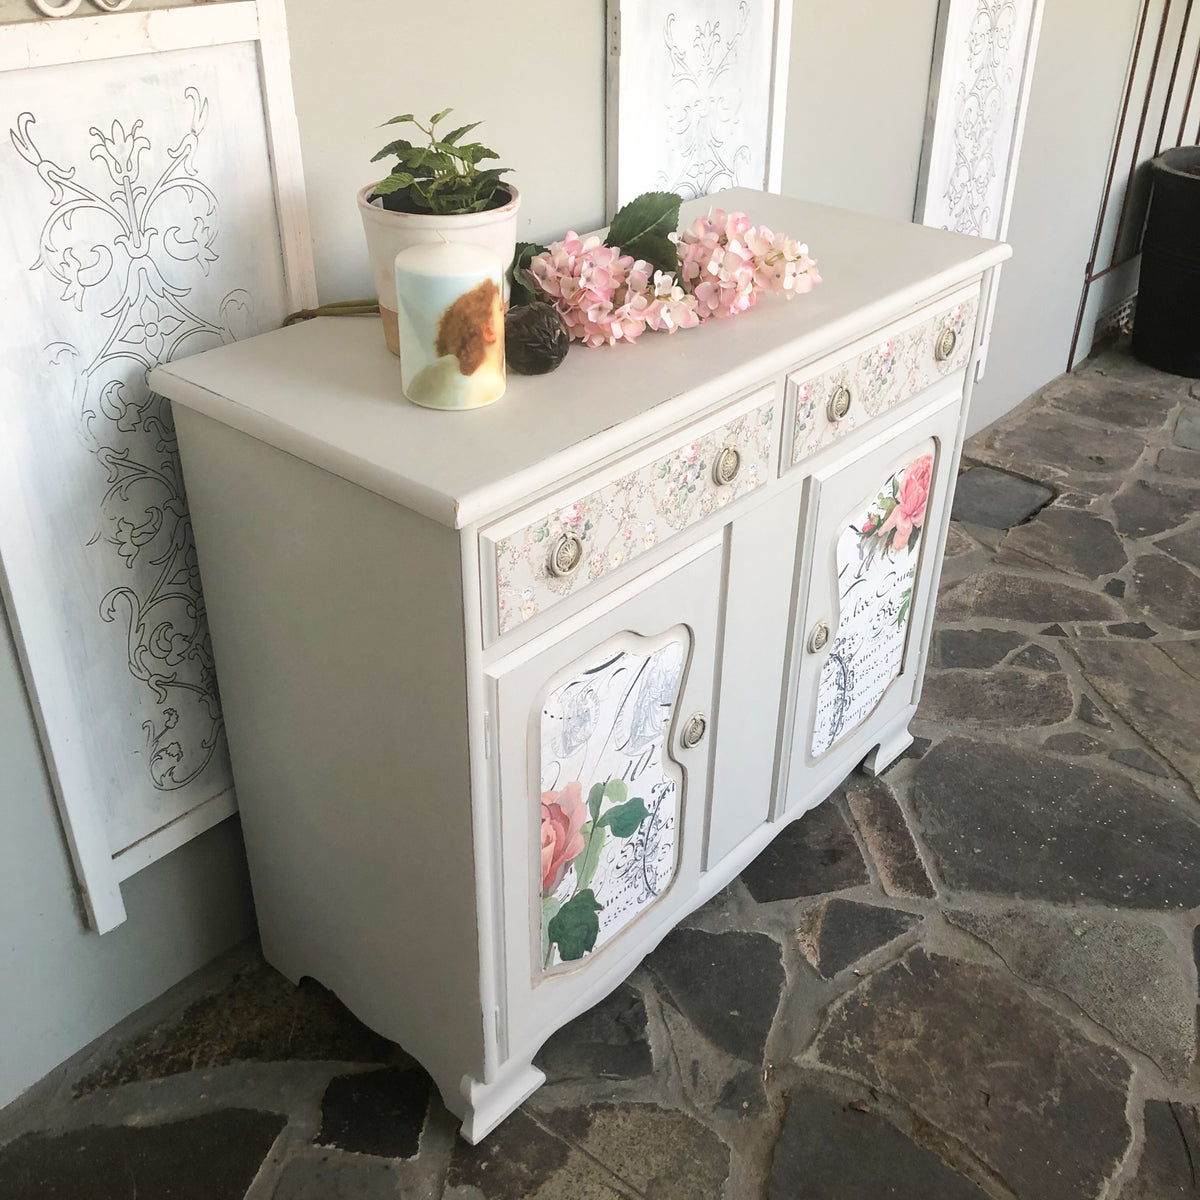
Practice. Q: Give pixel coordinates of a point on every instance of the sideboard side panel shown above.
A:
(336, 620)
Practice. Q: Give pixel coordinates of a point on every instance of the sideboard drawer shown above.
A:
(538, 557)
(829, 398)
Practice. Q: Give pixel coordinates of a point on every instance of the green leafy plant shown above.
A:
(443, 176)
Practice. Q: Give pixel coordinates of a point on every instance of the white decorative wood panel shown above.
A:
(984, 56)
(696, 94)
(141, 225)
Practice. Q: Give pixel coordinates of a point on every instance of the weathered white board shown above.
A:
(696, 95)
(142, 224)
(983, 62)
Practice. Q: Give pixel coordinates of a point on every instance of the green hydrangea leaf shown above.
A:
(641, 227)
(522, 291)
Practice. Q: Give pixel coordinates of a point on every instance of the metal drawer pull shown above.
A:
(839, 402)
(818, 639)
(566, 555)
(694, 729)
(727, 466)
(944, 346)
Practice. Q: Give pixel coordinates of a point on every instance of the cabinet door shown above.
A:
(875, 529)
(602, 798)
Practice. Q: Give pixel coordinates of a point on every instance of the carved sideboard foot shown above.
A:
(487, 1104)
(886, 753)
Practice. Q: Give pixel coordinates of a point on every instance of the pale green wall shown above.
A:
(857, 94)
(533, 71)
(1073, 108)
(60, 985)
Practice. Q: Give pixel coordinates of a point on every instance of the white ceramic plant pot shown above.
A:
(390, 232)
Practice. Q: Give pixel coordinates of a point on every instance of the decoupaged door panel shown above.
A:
(875, 523)
(603, 769)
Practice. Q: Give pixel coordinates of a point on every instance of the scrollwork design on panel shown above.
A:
(704, 106)
(122, 252)
(981, 102)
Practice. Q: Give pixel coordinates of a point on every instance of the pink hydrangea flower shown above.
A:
(725, 264)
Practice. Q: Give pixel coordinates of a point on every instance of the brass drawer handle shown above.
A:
(839, 402)
(727, 466)
(566, 555)
(818, 639)
(694, 729)
(944, 346)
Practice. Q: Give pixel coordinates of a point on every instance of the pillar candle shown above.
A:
(450, 312)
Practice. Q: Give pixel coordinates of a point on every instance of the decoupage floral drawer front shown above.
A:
(828, 400)
(541, 558)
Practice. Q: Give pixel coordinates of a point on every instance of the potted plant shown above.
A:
(436, 192)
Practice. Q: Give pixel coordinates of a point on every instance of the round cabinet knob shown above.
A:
(566, 555)
(727, 466)
(839, 402)
(944, 346)
(818, 638)
(694, 729)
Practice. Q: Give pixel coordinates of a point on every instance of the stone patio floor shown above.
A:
(973, 977)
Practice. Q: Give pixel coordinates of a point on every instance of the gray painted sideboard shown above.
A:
(511, 691)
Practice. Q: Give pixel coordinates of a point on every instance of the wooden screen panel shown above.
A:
(144, 223)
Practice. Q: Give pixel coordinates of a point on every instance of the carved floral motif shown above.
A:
(121, 252)
(704, 106)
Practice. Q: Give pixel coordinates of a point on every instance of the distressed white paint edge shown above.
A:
(175, 833)
(83, 827)
(612, 107)
(283, 139)
(31, 44)
(988, 314)
(46, 43)
(938, 58)
(779, 87)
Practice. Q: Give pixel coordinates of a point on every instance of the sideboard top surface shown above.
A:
(328, 391)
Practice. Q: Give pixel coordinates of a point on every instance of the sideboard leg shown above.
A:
(887, 752)
(489, 1103)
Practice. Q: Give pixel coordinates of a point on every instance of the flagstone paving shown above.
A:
(974, 976)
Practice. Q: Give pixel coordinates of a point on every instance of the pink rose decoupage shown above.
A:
(877, 557)
(610, 798)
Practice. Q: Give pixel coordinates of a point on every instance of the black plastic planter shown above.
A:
(1166, 329)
